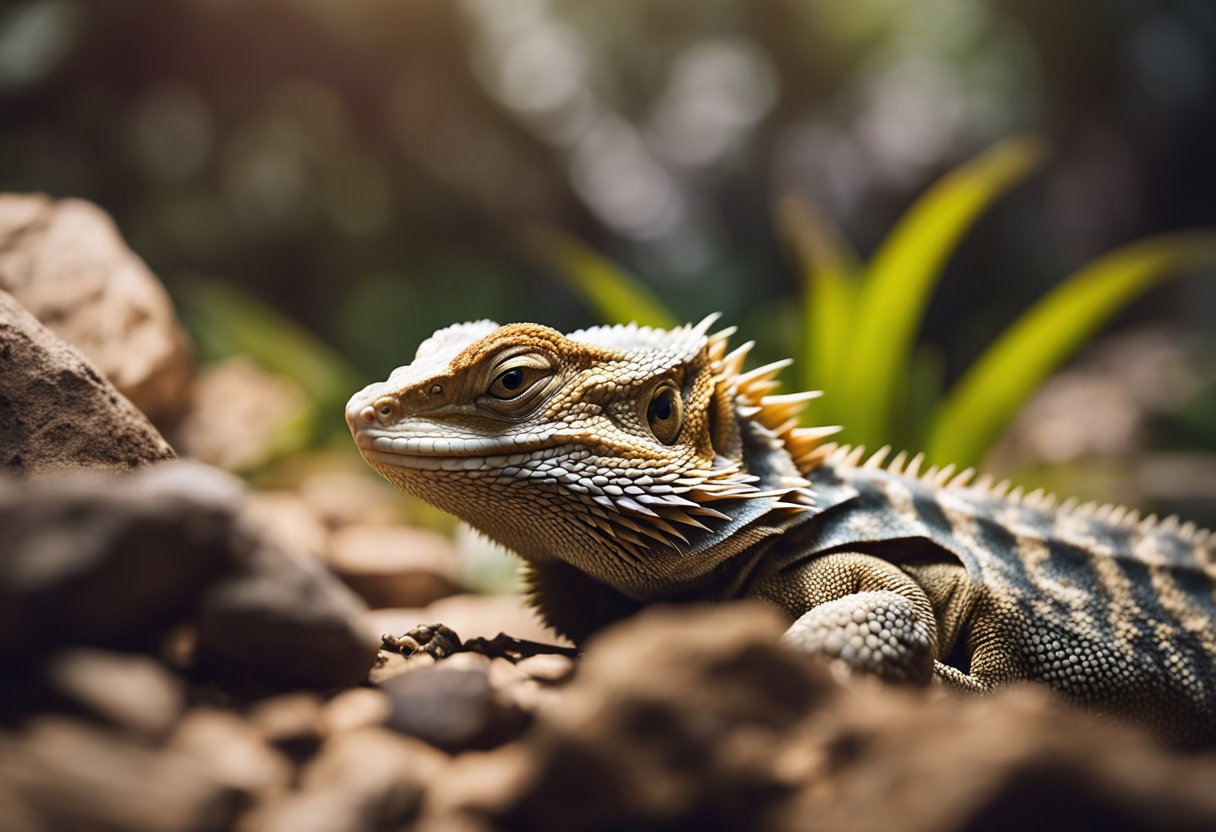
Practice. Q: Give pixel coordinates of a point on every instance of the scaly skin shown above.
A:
(629, 465)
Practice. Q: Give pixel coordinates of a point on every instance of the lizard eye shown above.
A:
(665, 414)
(513, 382)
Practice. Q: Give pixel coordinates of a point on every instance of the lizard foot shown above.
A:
(878, 633)
(440, 641)
(436, 640)
(516, 649)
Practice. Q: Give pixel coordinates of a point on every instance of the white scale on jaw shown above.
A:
(631, 489)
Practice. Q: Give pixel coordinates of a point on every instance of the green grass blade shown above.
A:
(901, 276)
(984, 401)
(615, 296)
(828, 290)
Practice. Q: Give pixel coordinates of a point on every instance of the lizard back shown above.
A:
(1108, 606)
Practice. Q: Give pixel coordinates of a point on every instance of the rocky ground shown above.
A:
(182, 653)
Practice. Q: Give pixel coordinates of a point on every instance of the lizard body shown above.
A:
(629, 465)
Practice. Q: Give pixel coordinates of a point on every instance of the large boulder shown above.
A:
(125, 561)
(66, 263)
(56, 410)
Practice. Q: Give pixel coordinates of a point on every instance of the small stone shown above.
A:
(480, 784)
(376, 761)
(283, 517)
(356, 708)
(503, 673)
(514, 686)
(128, 691)
(453, 709)
(395, 566)
(236, 412)
(347, 498)
(391, 665)
(469, 661)
(283, 618)
(551, 668)
(367, 779)
(71, 775)
(290, 722)
(233, 752)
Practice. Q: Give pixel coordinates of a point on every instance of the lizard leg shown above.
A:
(952, 677)
(879, 633)
(860, 610)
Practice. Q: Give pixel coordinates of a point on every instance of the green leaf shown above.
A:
(829, 291)
(231, 321)
(615, 296)
(902, 274)
(984, 401)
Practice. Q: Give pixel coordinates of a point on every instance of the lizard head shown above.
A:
(622, 451)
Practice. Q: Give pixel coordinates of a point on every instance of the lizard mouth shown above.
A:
(447, 452)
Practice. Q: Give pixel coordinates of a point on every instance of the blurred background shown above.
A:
(372, 170)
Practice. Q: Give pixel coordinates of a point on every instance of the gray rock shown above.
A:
(366, 779)
(675, 714)
(56, 410)
(107, 559)
(233, 752)
(285, 618)
(65, 774)
(129, 691)
(354, 709)
(65, 262)
(291, 722)
(117, 560)
(452, 708)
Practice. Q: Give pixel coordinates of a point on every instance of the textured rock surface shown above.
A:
(109, 559)
(678, 719)
(57, 412)
(66, 774)
(687, 719)
(129, 691)
(119, 560)
(283, 616)
(66, 263)
(453, 706)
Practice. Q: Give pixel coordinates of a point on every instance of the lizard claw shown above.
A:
(436, 640)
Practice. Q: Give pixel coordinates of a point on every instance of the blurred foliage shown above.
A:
(615, 295)
(861, 320)
(988, 395)
(228, 321)
(875, 314)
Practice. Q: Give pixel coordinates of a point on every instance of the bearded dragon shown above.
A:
(628, 465)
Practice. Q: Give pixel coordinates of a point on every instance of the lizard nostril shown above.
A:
(368, 414)
(385, 409)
